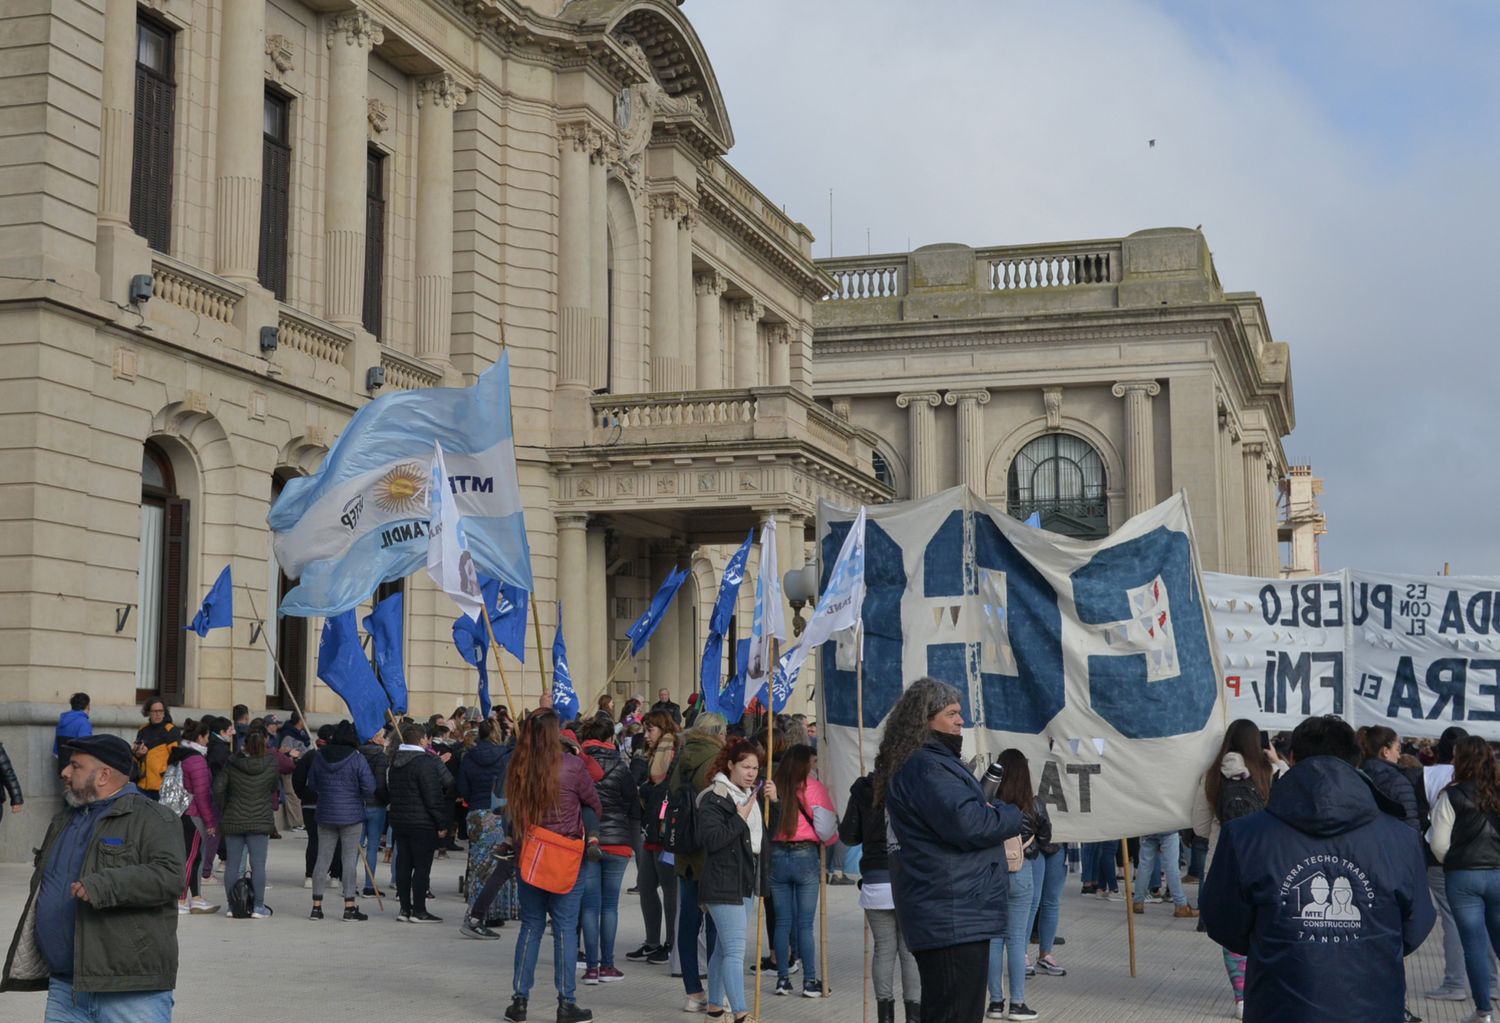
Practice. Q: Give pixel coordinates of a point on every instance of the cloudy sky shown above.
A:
(1341, 156)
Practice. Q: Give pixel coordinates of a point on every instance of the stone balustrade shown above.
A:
(311, 336)
(881, 278)
(195, 290)
(1012, 270)
(406, 372)
(706, 408)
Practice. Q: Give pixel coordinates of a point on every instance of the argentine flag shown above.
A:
(362, 519)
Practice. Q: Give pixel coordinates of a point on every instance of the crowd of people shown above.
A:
(1324, 857)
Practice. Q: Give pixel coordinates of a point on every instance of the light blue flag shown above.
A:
(342, 664)
(1034, 520)
(718, 622)
(384, 624)
(217, 611)
(564, 699)
(646, 624)
(362, 519)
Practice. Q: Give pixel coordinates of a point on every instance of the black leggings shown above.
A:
(195, 856)
(960, 973)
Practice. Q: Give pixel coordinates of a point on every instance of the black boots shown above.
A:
(913, 1012)
(517, 1011)
(885, 1010)
(569, 1012)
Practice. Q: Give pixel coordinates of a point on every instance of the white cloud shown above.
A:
(993, 123)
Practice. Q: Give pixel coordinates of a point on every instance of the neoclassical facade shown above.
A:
(231, 223)
(1085, 381)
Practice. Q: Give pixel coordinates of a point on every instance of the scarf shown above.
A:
(953, 742)
(740, 796)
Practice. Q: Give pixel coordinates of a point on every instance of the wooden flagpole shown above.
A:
(541, 656)
(859, 703)
(1129, 902)
(510, 703)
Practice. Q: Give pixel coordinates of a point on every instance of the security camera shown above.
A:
(268, 340)
(374, 378)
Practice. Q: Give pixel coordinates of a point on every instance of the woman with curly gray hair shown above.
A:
(948, 875)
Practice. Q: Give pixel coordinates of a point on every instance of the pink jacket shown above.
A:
(198, 780)
(817, 804)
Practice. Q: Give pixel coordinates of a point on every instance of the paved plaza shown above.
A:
(292, 969)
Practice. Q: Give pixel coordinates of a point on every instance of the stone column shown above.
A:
(437, 96)
(596, 625)
(599, 159)
(708, 288)
(575, 285)
(1271, 491)
(745, 315)
(351, 35)
(665, 647)
(117, 118)
(1140, 443)
(666, 338)
(573, 591)
(687, 317)
(971, 451)
(1259, 538)
(919, 406)
(779, 341)
(242, 98)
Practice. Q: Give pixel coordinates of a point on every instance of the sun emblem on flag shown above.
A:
(403, 490)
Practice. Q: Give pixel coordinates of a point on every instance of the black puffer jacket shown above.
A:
(621, 820)
(478, 772)
(863, 825)
(1395, 786)
(421, 792)
(731, 870)
(374, 754)
(9, 783)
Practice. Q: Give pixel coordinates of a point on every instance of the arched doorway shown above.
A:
(288, 634)
(162, 581)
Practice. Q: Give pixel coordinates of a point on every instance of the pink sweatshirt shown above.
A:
(816, 804)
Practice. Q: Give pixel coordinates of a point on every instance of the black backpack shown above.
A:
(679, 822)
(241, 898)
(1238, 797)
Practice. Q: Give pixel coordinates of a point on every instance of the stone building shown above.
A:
(1086, 381)
(1303, 523)
(229, 223)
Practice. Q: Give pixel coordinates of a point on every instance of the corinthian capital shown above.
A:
(710, 284)
(1148, 387)
(441, 90)
(672, 206)
(919, 398)
(355, 28)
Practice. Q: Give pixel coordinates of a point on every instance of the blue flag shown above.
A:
(507, 606)
(473, 643)
(732, 696)
(362, 518)
(646, 624)
(564, 699)
(1034, 520)
(384, 624)
(342, 664)
(718, 622)
(217, 611)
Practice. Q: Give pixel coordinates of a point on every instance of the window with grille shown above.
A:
(287, 686)
(275, 191)
(151, 153)
(374, 242)
(1061, 478)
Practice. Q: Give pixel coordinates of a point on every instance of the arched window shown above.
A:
(288, 633)
(882, 469)
(1062, 478)
(161, 595)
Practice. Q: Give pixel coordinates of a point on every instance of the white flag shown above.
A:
(448, 559)
(839, 607)
(770, 619)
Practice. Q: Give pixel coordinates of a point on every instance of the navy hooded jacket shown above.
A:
(1325, 894)
(948, 876)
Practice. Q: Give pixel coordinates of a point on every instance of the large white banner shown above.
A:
(1095, 659)
(1416, 653)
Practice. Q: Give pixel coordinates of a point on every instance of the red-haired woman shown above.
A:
(544, 788)
(736, 845)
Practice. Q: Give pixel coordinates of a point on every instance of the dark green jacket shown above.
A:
(699, 752)
(243, 791)
(126, 934)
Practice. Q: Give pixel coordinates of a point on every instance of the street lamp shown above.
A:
(800, 586)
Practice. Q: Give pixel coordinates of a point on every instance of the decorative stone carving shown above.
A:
(355, 28)
(748, 309)
(279, 49)
(440, 90)
(672, 206)
(1052, 406)
(842, 408)
(379, 116)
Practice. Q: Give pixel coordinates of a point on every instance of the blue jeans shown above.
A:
(374, 828)
(64, 1005)
(690, 919)
(1008, 954)
(536, 905)
(601, 907)
(1162, 849)
(1047, 897)
(794, 889)
(1474, 896)
(238, 847)
(1099, 865)
(1198, 858)
(726, 966)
